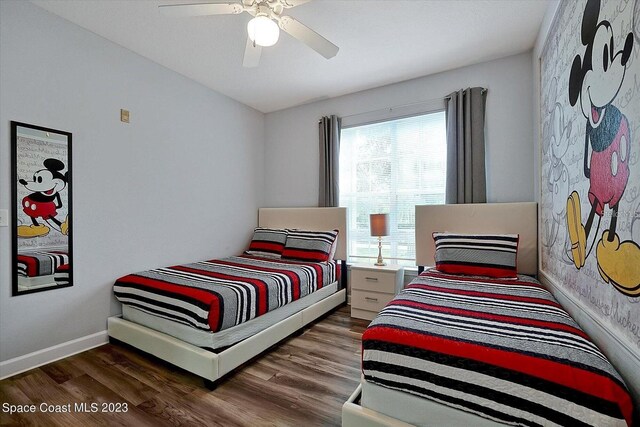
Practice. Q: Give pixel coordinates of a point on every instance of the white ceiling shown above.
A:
(381, 42)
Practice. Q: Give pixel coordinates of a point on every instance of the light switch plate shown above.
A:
(124, 116)
(4, 218)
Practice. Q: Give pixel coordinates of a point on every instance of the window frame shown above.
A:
(387, 115)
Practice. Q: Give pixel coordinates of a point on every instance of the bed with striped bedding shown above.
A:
(40, 263)
(218, 294)
(501, 349)
(61, 275)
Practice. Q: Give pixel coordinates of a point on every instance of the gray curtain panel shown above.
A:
(329, 160)
(466, 175)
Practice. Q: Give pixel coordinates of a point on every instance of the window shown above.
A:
(389, 167)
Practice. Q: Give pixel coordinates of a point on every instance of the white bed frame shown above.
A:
(505, 218)
(212, 366)
(26, 283)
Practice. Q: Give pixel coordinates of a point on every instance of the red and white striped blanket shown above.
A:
(502, 349)
(218, 294)
(40, 263)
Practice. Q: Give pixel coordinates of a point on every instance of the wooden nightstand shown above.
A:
(373, 287)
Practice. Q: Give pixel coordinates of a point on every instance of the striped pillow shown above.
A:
(315, 246)
(267, 242)
(492, 255)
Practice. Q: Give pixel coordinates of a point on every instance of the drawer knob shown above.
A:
(371, 279)
(371, 299)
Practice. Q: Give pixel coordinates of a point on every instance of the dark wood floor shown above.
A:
(301, 382)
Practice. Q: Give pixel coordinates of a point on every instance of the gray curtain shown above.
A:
(329, 160)
(466, 175)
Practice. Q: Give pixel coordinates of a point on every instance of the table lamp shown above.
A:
(379, 227)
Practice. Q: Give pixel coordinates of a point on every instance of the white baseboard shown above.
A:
(619, 351)
(38, 358)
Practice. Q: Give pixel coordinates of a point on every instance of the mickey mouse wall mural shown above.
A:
(596, 76)
(555, 143)
(44, 200)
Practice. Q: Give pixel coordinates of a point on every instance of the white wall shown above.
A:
(134, 184)
(291, 155)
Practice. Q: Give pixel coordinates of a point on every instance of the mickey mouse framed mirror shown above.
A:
(41, 193)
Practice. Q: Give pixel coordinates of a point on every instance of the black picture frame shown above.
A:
(16, 289)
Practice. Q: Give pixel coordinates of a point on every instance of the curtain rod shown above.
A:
(427, 101)
(392, 108)
(483, 91)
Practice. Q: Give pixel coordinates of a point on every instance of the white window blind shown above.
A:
(389, 167)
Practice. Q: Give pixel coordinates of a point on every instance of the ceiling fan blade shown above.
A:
(307, 36)
(288, 4)
(223, 7)
(251, 54)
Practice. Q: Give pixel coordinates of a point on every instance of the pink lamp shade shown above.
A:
(379, 224)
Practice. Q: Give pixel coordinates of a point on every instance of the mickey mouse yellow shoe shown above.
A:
(64, 227)
(619, 264)
(29, 231)
(577, 235)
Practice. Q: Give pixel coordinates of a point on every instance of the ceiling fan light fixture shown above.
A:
(263, 31)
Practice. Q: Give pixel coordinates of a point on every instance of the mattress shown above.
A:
(40, 263)
(219, 294)
(501, 349)
(226, 337)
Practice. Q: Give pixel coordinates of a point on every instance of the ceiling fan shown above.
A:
(264, 29)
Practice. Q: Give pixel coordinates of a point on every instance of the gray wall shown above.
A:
(291, 156)
(182, 182)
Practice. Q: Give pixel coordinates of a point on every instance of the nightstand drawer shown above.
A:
(373, 280)
(369, 301)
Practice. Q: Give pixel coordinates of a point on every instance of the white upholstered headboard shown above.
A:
(315, 219)
(505, 218)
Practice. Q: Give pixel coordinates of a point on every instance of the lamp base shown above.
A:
(380, 262)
